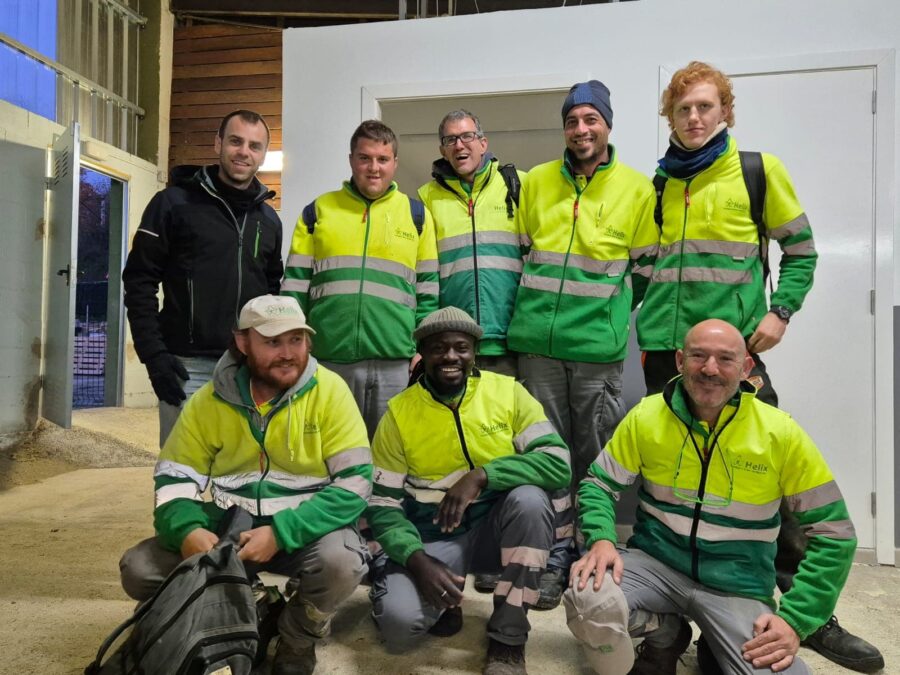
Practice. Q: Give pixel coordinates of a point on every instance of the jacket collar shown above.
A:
(231, 382)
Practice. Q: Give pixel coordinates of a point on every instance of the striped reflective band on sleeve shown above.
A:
(791, 227)
(347, 458)
(531, 433)
(168, 493)
(389, 479)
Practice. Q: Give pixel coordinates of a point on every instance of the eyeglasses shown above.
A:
(465, 137)
(688, 495)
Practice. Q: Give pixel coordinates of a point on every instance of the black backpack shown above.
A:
(201, 620)
(755, 180)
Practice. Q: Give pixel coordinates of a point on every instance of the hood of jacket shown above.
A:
(196, 177)
(442, 170)
(227, 387)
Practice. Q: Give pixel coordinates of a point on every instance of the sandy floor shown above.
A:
(65, 527)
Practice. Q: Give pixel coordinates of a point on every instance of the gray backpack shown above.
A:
(201, 620)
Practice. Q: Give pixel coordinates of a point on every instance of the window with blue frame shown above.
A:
(23, 81)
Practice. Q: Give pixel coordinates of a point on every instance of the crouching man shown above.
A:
(282, 437)
(715, 464)
(464, 462)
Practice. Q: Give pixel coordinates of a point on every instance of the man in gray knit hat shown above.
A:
(464, 461)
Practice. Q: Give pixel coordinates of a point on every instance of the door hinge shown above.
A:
(872, 302)
(874, 505)
(874, 101)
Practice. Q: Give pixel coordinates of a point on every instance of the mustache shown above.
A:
(284, 364)
(709, 379)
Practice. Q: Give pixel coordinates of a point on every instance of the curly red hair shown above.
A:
(691, 74)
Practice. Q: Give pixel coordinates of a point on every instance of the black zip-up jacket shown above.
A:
(209, 259)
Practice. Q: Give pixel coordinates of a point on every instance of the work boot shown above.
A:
(294, 660)
(449, 624)
(504, 659)
(551, 585)
(661, 660)
(706, 660)
(486, 583)
(844, 648)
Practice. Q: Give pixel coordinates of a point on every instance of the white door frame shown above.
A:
(882, 60)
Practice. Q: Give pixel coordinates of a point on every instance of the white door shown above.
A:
(824, 370)
(62, 270)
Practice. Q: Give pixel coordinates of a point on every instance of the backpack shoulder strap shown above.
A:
(309, 216)
(513, 187)
(755, 180)
(417, 211)
(659, 184)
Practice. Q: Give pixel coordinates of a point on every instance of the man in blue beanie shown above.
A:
(587, 227)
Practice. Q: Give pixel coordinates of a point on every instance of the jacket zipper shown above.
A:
(562, 280)
(367, 219)
(701, 490)
(687, 205)
(462, 437)
(190, 283)
(263, 461)
(239, 228)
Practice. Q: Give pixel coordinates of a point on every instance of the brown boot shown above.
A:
(662, 660)
(294, 660)
(504, 659)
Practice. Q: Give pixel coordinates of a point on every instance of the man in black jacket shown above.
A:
(213, 243)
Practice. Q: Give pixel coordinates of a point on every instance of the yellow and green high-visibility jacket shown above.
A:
(422, 447)
(708, 505)
(478, 248)
(365, 277)
(591, 246)
(709, 266)
(303, 466)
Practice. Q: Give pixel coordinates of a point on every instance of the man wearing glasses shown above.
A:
(715, 463)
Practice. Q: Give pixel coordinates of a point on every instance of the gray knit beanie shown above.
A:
(592, 92)
(447, 319)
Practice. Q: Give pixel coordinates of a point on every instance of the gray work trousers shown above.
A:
(505, 364)
(325, 573)
(657, 597)
(373, 383)
(513, 539)
(200, 368)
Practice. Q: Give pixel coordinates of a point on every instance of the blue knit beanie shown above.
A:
(592, 92)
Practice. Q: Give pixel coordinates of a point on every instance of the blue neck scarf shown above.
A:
(681, 163)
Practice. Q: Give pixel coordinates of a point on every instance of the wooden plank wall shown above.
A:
(217, 69)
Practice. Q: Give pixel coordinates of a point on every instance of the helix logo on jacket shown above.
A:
(493, 428)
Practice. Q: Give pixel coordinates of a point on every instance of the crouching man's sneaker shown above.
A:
(845, 649)
(294, 660)
(504, 659)
(662, 660)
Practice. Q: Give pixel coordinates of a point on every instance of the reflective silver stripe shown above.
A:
(531, 433)
(427, 288)
(487, 262)
(565, 531)
(527, 556)
(234, 481)
(165, 467)
(143, 231)
(340, 262)
(733, 249)
(589, 289)
(347, 458)
(641, 251)
(642, 270)
(614, 470)
(168, 493)
(739, 510)
(299, 260)
(295, 285)
(385, 502)
(555, 451)
(546, 257)
(444, 483)
(807, 247)
(824, 494)
(369, 288)
(358, 485)
(427, 266)
(486, 237)
(516, 597)
(794, 226)
(582, 262)
(524, 240)
(600, 484)
(707, 531)
(389, 479)
(562, 503)
(833, 529)
(540, 283)
(268, 507)
(710, 274)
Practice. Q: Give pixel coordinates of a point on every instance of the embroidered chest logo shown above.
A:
(493, 428)
(610, 231)
(736, 205)
(310, 428)
(750, 466)
(404, 234)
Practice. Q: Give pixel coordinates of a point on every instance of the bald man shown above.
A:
(715, 464)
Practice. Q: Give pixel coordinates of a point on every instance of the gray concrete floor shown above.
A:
(63, 536)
